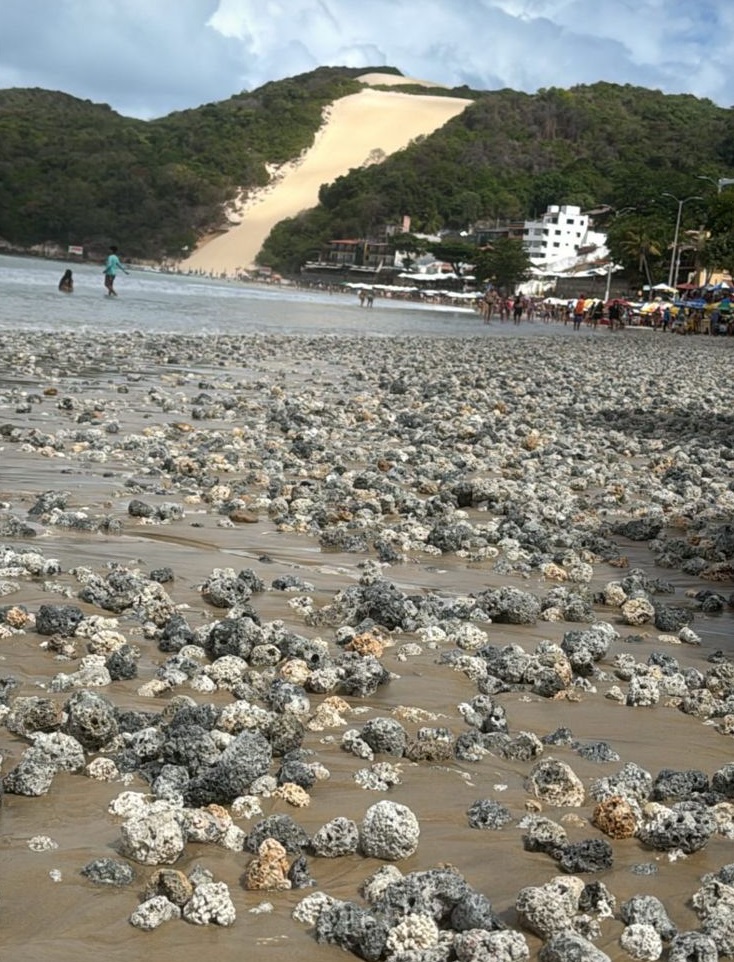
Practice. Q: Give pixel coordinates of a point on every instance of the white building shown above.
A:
(562, 236)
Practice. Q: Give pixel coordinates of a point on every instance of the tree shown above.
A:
(505, 264)
(407, 244)
(636, 247)
(456, 253)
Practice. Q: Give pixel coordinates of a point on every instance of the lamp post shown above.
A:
(673, 272)
(719, 182)
(610, 266)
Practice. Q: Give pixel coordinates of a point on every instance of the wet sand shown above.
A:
(153, 391)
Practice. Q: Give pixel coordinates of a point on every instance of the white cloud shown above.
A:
(147, 57)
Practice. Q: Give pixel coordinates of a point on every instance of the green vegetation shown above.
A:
(509, 155)
(76, 172)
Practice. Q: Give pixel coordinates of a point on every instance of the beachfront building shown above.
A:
(561, 236)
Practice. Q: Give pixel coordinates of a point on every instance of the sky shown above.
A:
(146, 58)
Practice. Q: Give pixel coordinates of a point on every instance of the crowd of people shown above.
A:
(701, 315)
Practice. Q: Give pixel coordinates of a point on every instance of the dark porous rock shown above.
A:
(131, 720)
(543, 835)
(388, 606)
(450, 536)
(693, 947)
(108, 871)
(435, 892)
(523, 747)
(91, 719)
(285, 697)
(486, 813)
(246, 758)
(508, 663)
(631, 782)
(190, 746)
(48, 501)
(50, 753)
(719, 926)
(122, 664)
(299, 875)
(639, 529)
(670, 784)
(296, 772)
(30, 714)
(162, 575)
(597, 899)
(669, 829)
(140, 509)
(474, 911)
(385, 736)
(283, 829)
(722, 781)
(60, 620)
(470, 747)
(233, 636)
(591, 855)
(510, 606)
(671, 619)
(338, 837)
(570, 947)
(361, 676)
(648, 910)
(352, 928)
(547, 682)
(561, 736)
(667, 664)
(290, 583)
(587, 646)
(599, 752)
(175, 634)
(286, 734)
(184, 714)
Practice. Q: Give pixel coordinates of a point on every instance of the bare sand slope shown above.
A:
(356, 126)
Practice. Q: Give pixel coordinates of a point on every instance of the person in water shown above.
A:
(66, 284)
(112, 267)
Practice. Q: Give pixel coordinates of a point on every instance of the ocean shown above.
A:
(171, 303)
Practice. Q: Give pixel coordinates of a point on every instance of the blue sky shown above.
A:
(148, 57)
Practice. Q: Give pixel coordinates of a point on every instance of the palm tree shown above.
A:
(639, 245)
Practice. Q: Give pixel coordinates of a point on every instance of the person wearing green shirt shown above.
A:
(111, 268)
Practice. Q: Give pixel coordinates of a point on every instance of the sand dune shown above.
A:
(357, 129)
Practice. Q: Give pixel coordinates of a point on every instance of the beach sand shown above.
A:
(357, 130)
(356, 437)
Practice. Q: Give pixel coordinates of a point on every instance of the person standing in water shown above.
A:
(66, 284)
(111, 268)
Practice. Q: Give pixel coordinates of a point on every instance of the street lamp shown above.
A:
(719, 182)
(673, 272)
(616, 212)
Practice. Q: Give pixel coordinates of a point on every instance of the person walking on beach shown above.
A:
(66, 284)
(578, 313)
(111, 268)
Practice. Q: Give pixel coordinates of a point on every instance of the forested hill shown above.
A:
(509, 155)
(76, 172)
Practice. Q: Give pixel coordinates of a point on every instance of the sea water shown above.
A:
(159, 302)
